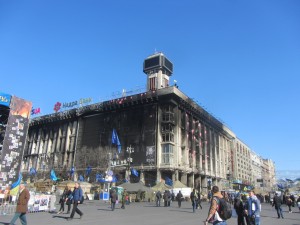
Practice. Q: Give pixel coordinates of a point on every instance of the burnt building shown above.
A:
(162, 132)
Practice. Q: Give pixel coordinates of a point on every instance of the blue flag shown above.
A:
(32, 171)
(53, 175)
(169, 181)
(81, 178)
(115, 140)
(134, 172)
(88, 170)
(72, 170)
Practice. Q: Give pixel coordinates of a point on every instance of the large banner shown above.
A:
(14, 140)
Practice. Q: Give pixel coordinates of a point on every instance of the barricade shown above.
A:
(7, 209)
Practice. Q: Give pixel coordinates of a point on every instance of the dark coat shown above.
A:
(113, 196)
(276, 201)
(22, 204)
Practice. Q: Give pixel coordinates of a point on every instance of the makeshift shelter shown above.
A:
(161, 186)
(178, 184)
(85, 186)
(134, 187)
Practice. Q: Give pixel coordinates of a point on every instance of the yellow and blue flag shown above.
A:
(15, 186)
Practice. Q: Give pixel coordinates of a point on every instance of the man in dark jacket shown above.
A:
(113, 199)
(22, 206)
(158, 198)
(77, 196)
(277, 204)
(179, 198)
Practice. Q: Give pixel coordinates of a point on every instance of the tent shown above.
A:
(161, 186)
(178, 184)
(134, 187)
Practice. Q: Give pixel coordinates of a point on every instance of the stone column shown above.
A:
(184, 178)
(158, 176)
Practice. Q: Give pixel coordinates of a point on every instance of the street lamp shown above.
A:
(129, 150)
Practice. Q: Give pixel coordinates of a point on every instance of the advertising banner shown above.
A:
(14, 140)
(5, 99)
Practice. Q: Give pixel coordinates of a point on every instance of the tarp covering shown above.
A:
(161, 186)
(178, 184)
(134, 187)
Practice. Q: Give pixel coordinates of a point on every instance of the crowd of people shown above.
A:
(247, 206)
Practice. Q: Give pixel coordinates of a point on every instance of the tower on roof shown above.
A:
(158, 69)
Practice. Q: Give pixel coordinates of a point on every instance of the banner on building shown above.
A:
(5, 99)
(14, 140)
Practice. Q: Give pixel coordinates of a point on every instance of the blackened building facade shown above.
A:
(172, 136)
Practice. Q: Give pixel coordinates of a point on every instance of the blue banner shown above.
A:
(115, 140)
(134, 172)
(5, 99)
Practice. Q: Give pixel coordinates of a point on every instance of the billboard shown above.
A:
(14, 140)
(5, 99)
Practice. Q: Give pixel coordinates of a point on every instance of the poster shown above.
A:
(14, 140)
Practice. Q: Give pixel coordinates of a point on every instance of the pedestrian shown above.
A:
(289, 203)
(240, 211)
(298, 202)
(62, 200)
(252, 209)
(77, 196)
(277, 204)
(113, 199)
(22, 206)
(158, 198)
(199, 200)
(165, 197)
(179, 198)
(213, 215)
(124, 194)
(193, 197)
(69, 198)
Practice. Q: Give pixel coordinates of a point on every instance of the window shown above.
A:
(168, 137)
(167, 154)
(153, 83)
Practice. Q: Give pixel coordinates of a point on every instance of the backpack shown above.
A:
(224, 208)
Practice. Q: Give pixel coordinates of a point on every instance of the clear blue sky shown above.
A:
(240, 59)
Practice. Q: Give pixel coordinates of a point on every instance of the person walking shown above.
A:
(62, 200)
(240, 211)
(22, 206)
(289, 203)
(199, 200)
(277, 204)
(179, 198)
(69, 199)
(77, 195)
(298, 202)
(113, 199)
(252, 209)
(124, 194)
(193, 197)
(213, 215)
(158, 198)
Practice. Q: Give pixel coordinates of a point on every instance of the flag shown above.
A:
(15, 186)
(169, 181)
(289, 180)
(280, 186)
(115, 140)
(81, 178)
(72, 170)
(53, 175)
(134, 172)
(32, 171)
(88, 170)
(114, 179)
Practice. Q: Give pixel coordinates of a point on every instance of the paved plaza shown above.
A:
(99, 212)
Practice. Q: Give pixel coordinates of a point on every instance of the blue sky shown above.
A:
(239, 59)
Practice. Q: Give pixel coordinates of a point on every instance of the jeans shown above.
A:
(279, 211)
(22, 217)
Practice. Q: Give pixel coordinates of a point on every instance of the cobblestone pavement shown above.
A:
(99, 212)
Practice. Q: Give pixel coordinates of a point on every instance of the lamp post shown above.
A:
(129, 150)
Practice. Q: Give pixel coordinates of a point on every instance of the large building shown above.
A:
(163, 134)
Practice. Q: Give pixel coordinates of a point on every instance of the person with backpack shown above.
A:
(219, 210)
(252, 209)
(77, 199)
